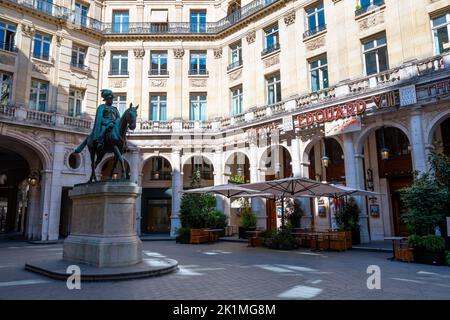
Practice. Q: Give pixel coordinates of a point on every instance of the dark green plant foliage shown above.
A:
(216, 220)
(447, 257)
(247, 217)
(280, 239)
(428, 199)
(237, 179)
(183, 231)
(294, 213)
(199, 211)
(347, 217)
(430, 243)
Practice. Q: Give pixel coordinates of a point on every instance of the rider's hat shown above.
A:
(106, 93)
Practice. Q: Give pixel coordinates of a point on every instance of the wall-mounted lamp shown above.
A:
(33, 178)
(325, 161)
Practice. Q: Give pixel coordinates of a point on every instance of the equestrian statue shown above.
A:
(109, 134)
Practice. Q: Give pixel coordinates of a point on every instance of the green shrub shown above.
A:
(248, 218)
(347, 217)
(280, 239)
(447, 257)
(195, 209)
(295, 214)
(183, 231)
(216, 220)
(430, 242)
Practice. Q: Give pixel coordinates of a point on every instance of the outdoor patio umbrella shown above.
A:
(227, 190)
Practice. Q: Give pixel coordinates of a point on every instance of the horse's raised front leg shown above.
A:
(118, 157)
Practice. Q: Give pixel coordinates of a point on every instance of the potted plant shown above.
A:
(426, 201)
(247, 220)
(216, 219)
(281, 239)
(347, 219)
(183, 235)
(295, 213)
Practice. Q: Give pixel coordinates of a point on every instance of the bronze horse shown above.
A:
(115, 142)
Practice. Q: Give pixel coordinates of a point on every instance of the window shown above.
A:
(78, 57)
(41, 49)
(235, 55)
(120, 102)
(7, 34)
(39, 95)
(75, 102)
(198, 21)
(315, 19)
(5, 88)
(236, 100)
(198, 107)
(119, 63)
(198, 63)
(272, 40)
(158, 107)
(120, 21)
(81, 12)
(159, 63)
(368, 5)
(44, 6)
(273, 84)
(375, 56)
(441, 31)
(159, 20)
(319, 74)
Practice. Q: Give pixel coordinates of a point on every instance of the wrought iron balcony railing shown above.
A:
(118, 73)
(43, 6)
(8, 46)
(234, 65)
(374, 5)
(314, 31)
(198, 72)
(270, 49)
(158, 72)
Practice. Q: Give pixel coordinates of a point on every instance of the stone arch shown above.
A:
(148, 157)
(229, 164)
(311, 143)
(188, 157)
(362, 137)
(263, 162)
(433, 124)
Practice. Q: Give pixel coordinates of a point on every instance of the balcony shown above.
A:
(8, 46)
(198, 72)
(234, 65)
(362, 10)
(158, 72)
(124, 73)
(42, 6)
(272, 48)
(77, 20)
(79, 66)
(311, 32)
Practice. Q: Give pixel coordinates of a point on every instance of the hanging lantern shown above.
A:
(384, 153)
(33, 178)
(325, 161)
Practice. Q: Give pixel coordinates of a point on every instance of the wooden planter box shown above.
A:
(185, 238)
(348, 239)
(243, 232)
(404, 254)
(199, 236)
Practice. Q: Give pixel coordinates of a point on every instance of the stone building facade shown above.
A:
(346, 91)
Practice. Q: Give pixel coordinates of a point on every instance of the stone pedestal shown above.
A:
(103, 229)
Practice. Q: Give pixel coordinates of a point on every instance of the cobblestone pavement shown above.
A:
(233, 271)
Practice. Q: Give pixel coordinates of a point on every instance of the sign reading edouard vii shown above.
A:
(348, 110)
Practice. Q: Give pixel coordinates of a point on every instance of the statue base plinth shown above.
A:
(103, 230)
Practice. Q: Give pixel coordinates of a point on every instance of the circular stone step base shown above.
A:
(149, 267)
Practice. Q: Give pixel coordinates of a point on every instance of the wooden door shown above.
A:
(271, 210)
(395, 184)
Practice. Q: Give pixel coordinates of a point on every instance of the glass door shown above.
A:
(158, 219)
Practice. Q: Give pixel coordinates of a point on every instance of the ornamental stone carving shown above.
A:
(102, 53)
(198, 82)
(7, 59)
(273, 60)
(41, 68)
(139, 53)
(28, 31)
(315, 44)
(118, 83)
(178, 53)
(218, 53)
(58, 40)
(371, 21)
(235, 75)
(289, 18)
(158, 83)
(251, 36)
